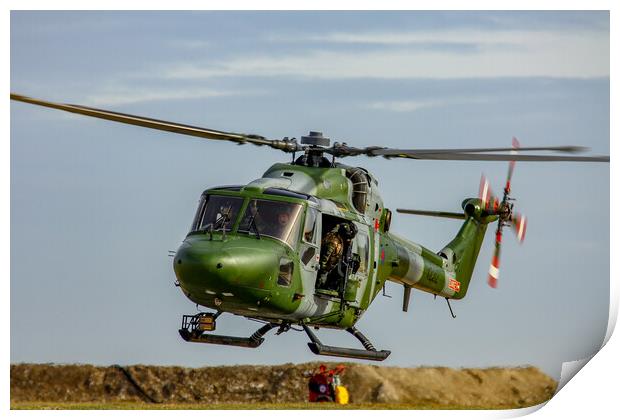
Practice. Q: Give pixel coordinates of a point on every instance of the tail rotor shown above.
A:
(507, 217)
(519, 225)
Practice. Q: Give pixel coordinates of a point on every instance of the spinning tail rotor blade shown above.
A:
(505, 213)
(489, 200)
(494, 268)
(518, 221)
(511, 166)
(519, 225)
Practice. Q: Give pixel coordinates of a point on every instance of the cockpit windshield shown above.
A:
(276, 219)
(217, 212)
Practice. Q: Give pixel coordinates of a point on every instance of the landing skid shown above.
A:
(370, 353)
(194, 329)
(252, 341)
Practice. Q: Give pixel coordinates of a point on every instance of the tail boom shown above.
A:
(448, 272)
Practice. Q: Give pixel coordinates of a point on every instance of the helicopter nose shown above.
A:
(219, 269)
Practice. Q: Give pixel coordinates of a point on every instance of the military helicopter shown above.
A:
(308, 244)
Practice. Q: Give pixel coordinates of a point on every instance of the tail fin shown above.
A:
(462, 252)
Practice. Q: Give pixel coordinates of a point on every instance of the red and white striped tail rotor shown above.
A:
(519, 225)
(494, 272)
(494, 268)
(506, 216)
(511, 166)
(485, 190)
(485, 194)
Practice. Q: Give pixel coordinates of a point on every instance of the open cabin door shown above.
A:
(347, 276)
(358, 279)
(309, 251)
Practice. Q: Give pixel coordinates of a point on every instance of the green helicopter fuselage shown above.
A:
(250, 263)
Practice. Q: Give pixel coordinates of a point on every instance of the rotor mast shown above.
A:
(314, 145)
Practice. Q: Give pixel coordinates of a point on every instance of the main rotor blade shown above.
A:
(567, 149)
(446, 214)
(413, 154)
(188, 130)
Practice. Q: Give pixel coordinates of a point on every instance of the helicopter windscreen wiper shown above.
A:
(211, 226)
(223, 220)
(254, 226)
(317, 145)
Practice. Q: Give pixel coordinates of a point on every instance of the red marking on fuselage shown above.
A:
(454, 285)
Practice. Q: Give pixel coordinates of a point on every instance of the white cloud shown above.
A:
(415, 105)
(497, 54)
(482, 38)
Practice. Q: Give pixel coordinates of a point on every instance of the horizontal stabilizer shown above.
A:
(445, 214)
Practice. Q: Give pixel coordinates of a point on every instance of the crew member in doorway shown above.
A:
(334, 244)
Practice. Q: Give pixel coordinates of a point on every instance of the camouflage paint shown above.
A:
(237, 272)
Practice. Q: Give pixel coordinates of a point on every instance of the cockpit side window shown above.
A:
(310, 225)
(309, 252)
(219, 212)
(198, 215)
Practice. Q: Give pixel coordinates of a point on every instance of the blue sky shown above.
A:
(95, 206)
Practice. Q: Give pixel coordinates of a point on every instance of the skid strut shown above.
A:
(199, 336)
(370, 353)
(195, 328)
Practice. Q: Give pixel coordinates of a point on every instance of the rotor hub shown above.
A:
(505, 211)
(315, 138)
